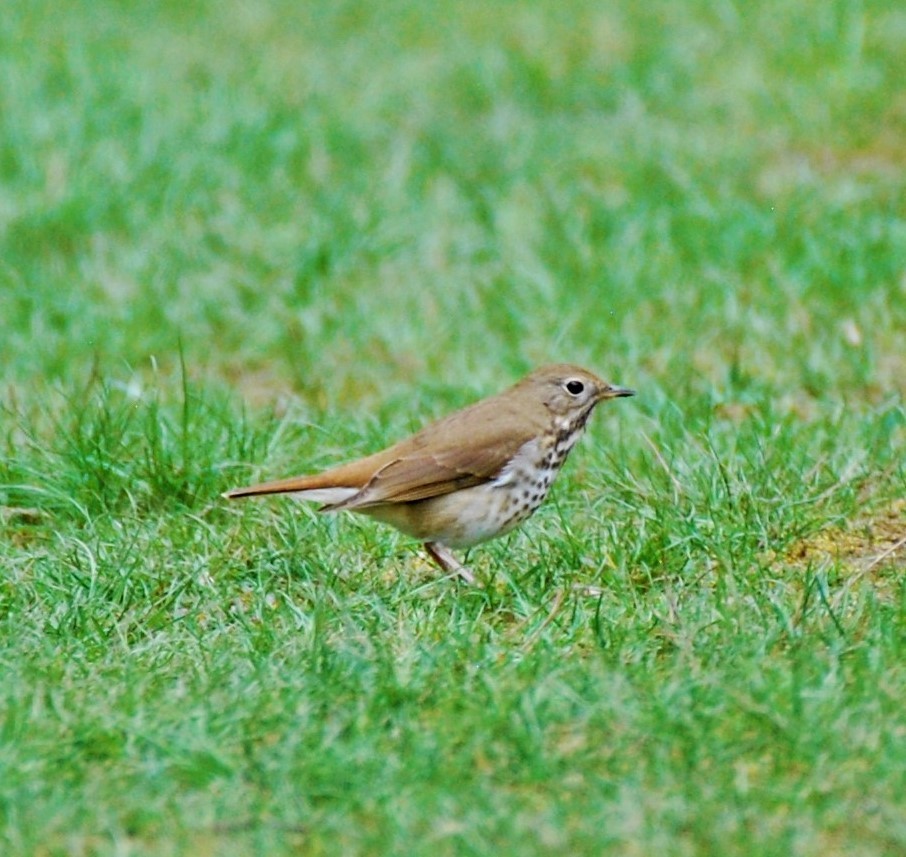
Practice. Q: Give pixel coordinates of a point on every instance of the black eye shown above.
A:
(574, 387)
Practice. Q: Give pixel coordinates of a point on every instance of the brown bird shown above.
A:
(469, 477)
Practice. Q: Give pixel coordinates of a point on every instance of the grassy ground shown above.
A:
(241, 240)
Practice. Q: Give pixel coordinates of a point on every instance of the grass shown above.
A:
(253, 239)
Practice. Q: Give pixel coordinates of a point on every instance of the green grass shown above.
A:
(243, 240)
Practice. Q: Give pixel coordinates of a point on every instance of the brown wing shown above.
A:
(466, 449)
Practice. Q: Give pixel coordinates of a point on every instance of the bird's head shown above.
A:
(569, 391)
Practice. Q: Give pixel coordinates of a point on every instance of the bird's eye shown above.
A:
(574, 387)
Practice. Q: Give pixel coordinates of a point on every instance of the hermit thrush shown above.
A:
(471, 476)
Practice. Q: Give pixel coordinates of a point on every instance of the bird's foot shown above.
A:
(443, 556)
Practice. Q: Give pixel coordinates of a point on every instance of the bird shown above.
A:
(469, 477)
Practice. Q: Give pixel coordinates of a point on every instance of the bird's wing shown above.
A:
(420, 473)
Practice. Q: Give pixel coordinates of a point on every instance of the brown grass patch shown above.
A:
(875, 540)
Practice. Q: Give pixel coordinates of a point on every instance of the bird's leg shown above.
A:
(443, 556)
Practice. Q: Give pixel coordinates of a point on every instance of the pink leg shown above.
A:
(443, 556)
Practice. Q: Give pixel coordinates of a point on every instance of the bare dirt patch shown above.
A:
(873, 541)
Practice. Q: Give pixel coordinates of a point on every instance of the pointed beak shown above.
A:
(613, 392)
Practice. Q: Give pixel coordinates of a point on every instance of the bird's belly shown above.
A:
(466, 517)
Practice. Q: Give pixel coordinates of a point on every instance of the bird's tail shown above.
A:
(303, 487)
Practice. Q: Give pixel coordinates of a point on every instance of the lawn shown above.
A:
(248, 239)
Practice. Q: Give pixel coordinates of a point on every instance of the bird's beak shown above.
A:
(612, 392)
